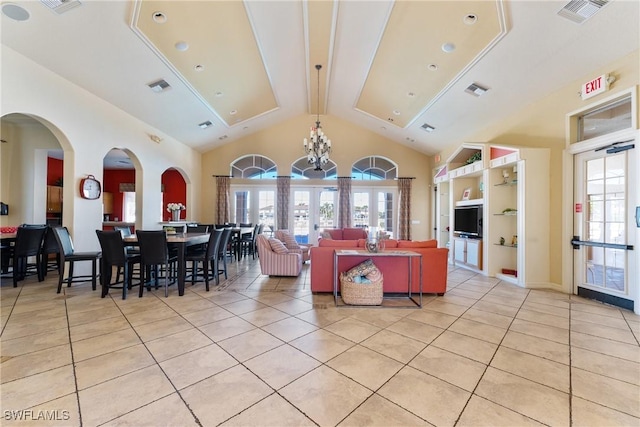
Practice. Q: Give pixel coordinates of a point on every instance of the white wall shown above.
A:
(87, 127)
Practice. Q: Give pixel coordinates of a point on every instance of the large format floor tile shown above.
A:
(265, 351)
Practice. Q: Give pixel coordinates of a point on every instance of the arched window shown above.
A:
(301, 169)
(254, 167)
(374, 168)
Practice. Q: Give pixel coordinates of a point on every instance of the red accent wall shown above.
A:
(55, 170)
(112, 179)
(175, 191)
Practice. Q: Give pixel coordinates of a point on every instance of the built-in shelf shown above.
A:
(506, 246)
(506, 214)
(507, 184)
(471, 202)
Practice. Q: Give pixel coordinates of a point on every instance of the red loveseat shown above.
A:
(345, 233)
(394, 270)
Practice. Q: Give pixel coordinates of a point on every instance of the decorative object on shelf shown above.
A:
(318, 147)
(514, 240)
(90, 188)
(510, 211)
(174, 209)
(505, 175)
(466, 194)
(502, 240)
(476, 157)
(481, 187)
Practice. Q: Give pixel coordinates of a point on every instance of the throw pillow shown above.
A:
(326, 235)
(277, 246)
(361, 269)
(289, 241)
(374, 276)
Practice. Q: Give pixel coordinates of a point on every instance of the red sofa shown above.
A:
(345, 233)
(394, 270)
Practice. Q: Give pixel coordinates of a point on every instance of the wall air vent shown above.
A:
(579, 11)
(60, 6)
(475, 89)
(159, 86)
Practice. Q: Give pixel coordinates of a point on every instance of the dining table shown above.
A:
(179, 241)
(6, 240)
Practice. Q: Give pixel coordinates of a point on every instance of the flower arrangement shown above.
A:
(171, 207)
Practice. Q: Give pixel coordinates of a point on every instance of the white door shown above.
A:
(604, 224)
(314, 209)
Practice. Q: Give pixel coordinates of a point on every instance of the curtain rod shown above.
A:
(345, 177)
(222, 176)
(406, 177)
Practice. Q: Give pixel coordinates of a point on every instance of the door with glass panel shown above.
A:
(373, 209)
(313, 210)
(604, 225)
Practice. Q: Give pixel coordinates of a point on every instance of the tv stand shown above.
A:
(467, 252)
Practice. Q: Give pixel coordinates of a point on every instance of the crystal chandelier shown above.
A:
(318, 147)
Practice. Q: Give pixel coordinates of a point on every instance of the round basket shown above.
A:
(361, 293)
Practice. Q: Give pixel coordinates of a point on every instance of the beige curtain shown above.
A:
(283, 196)
(223, 187)
(404, 213)
(344, 202)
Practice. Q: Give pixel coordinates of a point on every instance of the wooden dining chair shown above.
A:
(115, 254)
(69, 255)
(28, 246)
(208, 257)
(155, 258)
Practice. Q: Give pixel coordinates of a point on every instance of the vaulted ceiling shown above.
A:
(391, 67)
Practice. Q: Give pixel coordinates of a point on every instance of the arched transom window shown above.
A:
(374, 168)
(254, 167)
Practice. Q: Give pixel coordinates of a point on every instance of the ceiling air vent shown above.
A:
(60, 6)
(205, 125)
(579, 11)
(475, 89)
(427, 128)
(159, 86)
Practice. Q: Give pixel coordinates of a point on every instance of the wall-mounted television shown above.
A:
(468, 221)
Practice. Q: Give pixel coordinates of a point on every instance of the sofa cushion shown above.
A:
(338, 243)
(353, 233)
(277, 246)
(336, 233)
(417, 244)
(287, 238)
(326, 235)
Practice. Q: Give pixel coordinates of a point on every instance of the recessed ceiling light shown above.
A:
(223, 137)
(410, 139)
(182, 46)
(219, 94)
(233, 112)
(396, 112)
(383, 128)
(411, 94)
(470, 19)
(389, 119)
(199, 67)
(448, 47)
(15, 12)
(245, 128)
(159, 17)
(432, 67)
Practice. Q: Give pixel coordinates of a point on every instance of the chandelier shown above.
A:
(318, 147)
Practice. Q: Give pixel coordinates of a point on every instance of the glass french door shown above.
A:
(604, 225)
(373, 208)
(313, 209)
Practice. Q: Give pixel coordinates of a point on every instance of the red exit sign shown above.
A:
(595, 87)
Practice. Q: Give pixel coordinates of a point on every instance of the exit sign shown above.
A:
(595, 87)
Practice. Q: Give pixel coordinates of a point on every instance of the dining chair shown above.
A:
(208, 257)
(199, 228)
(50, 247)
(223, 250)
(69, 255)
(115, 254)
(155, 258)
(28, 245)
(248, 242)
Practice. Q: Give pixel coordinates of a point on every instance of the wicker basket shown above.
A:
(361, 293)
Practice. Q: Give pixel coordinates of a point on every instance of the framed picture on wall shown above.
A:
(466, 194)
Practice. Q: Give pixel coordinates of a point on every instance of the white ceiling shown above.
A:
(105, 48)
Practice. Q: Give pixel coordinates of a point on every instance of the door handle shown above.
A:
(315, 227)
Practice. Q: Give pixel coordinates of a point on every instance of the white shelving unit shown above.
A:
(517, 210)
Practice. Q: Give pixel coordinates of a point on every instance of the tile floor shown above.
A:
(263, 351)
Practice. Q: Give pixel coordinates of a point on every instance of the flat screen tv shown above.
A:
(468, 221)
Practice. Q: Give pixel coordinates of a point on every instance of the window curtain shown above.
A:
(283, 196)
(223, 187)
(344, 202)
(404, 214)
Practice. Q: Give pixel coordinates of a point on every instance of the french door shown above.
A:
(605, 224)
(312, 210)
